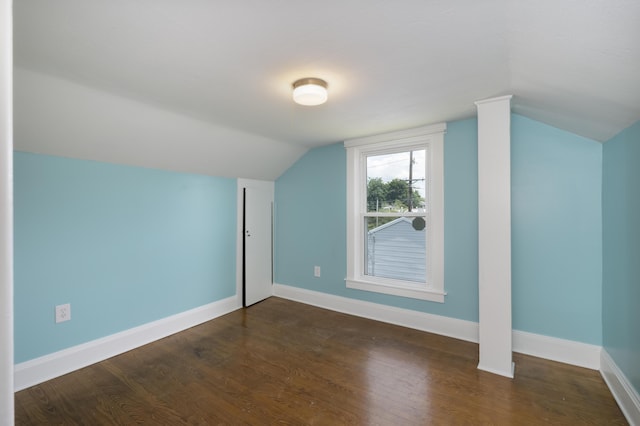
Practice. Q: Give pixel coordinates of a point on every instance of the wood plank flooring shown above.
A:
(281, 362)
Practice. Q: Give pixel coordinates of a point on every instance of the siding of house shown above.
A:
(396, 250)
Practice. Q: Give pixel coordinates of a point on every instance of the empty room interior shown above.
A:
(339, 212)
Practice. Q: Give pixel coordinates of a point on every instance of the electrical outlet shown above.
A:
(316, 271)
(63, 312)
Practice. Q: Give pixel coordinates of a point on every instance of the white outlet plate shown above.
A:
(63, 312)
(316, 271)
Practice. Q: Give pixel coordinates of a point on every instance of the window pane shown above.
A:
(396, 248)
(396, 182)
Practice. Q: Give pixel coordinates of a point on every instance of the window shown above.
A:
(395, 206)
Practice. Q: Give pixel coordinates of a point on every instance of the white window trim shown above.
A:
(433, 137)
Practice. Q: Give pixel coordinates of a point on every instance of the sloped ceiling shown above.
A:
(390, 65)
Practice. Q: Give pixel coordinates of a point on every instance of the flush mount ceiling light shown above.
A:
(310, 91)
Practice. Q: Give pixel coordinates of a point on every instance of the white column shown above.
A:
(494, 234)
(6, 213)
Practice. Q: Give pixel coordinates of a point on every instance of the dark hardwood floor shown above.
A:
(281, 362)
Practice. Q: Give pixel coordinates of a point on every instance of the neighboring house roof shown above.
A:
(389, 224)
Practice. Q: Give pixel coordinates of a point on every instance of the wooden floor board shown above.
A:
(281, 362)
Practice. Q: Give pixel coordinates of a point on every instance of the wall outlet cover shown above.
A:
(63, 312)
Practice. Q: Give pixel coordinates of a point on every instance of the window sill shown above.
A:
(397, 290)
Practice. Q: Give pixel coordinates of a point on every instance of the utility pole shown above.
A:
(410, 203)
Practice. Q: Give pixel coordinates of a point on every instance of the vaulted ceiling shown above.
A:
(226, 67)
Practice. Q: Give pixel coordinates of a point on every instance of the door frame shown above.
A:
(247, 183)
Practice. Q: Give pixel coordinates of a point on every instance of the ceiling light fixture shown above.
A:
(310, 91)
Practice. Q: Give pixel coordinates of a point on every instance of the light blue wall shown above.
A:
(123, 245)
(621, 275)
(311, 226)
(311, 229)
(310, 221)
(126, 245)
(556, 232)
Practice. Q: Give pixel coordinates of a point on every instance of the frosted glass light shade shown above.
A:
(310, 91)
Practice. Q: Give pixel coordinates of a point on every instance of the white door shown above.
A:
(257, 242)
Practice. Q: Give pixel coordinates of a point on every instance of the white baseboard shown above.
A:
(38, 370)
(451, 327)
(626, 396)
(554, 349)
(561, 350)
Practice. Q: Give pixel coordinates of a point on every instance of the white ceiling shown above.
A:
(390, 65)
